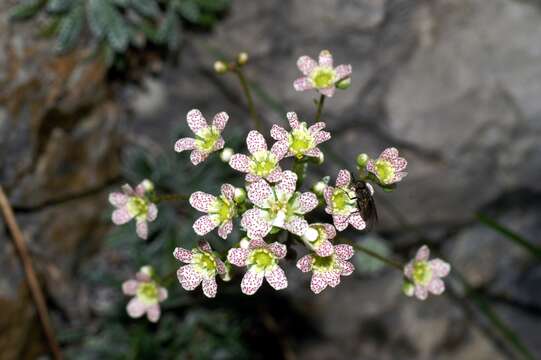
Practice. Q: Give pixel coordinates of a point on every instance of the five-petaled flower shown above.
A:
(342, 204)
(262, 163)
(426, 274)
(208, 138)
(221, 211)
(302, 140)
(147, 295)
(388, 167)
(317, 238)
(203, 266)
(280, 206)
(320, 76)
(132, 204)
(326, 270)
(261, 259)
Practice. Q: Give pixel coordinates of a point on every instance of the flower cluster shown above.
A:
(270, 208)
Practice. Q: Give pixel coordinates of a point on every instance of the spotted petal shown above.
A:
(421, 292)
(297, 226)
(423, 253)
(153, 313)
(255, 142)
(225, 229)
(279, 250)
(141, 228)
(204, 225)
(183, 255)
(325, 249)
(220, 120)
(136, 308)
(277, 278)
(118, 199)
(121, 216)
(340, 222)
(322, 136)
(251, 282)
(279, 149)
(343, 179)
(307, 202)
(329, 92)
(196, 121)
(197, 157)
(286, 187)
(152, 212)
(130, 287)
(436, 286)
(325, 59)
(344, 251)
(228, 191)
(260, 193)
(303, 84)
(439, 267)
(356, 220)
(347, 268)
(306, 64)
(278, 133)
(202, 201)
(240, 162)
(238, 256)
(342, 71)
(305, 263)
(184, 144)
(318, 283)
(255, 223)
(210, 287)
(188, 277)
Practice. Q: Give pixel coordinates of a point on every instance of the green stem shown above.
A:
(169, 197)
(246, 89)
(320, 105)
(387, 261)
(299, 168)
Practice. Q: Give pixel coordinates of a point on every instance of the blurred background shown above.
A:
(93, 94)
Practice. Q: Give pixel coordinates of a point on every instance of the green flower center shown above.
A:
(323, 77)
(262, 260)
(324, 263)
(137, 206)
(343, 201)
(148, 292)
(263, 163)
(204, 263)
(422, 273)
(223, 210)
(321, 236)
(300, 141)
(384, 171)
(206, 138)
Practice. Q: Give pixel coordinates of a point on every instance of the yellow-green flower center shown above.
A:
(343, 201)
(148, 292)
(321, 235)
(206, 139)
(137, 206)
(300, 140)
(204, 263)
(422, 272)
(262, 260)
(263, 163)
(384, 171)
(323, 77)
(222, 209)
(324, 263)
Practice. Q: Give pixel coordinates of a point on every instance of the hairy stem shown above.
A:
(251, 107)
(320, 105)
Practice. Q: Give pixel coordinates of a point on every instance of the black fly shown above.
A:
(365, 202)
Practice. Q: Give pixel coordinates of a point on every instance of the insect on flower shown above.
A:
(365, 202)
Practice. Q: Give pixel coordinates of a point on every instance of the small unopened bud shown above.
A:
(242, 58)
(319, 187)
(362, 159)
(320, 158)
(148, 185)
(220, 67)
(227, 275)
(408, 288)
(344, 84)
(148, 270)
(244, 243)
(226, 154)
(240, 195)
(310, 235)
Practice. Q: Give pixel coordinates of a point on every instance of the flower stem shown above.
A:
(170, 197)
(246, 89)
(387, 261)
(299, 168)
(320, 105)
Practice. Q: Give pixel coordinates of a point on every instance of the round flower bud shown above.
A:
(362, 159)
(319, 187)
(310, 235)
(408, 288)
(240, 195)
(226, 154)
(343, 84)
(220, 67)
(148, 185)
(244, 243)
(242, 58)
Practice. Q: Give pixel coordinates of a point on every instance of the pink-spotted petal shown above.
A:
(325, 249)
(318, 283)
(423, 253)
(389, 154)
(332, 278)
(408, 270)
(330, 231)
(436, 286)
(371, 166)
(327, 194)
(306, 64)
(279, 250)
(399, 164)
(307, 202)
(188, 277)
(196, 121)
(275, 175)
(260, 193)
(343, 179)
(118, 199)
(204, 225)
(250, 178)
(344, 251)
(162, 294)
(130, 287)
(278, 133)
(303, 84)
(240, 162)
(293, 119)
(141, 228)
(314, 152)
(356, 220)
(202, 201)
(342, 71)
(255, 223)
(305, 263)
(329, 92)
(322, 136)
(220, 120)
(251, 282)
(279, 149)
(204, 245)
(228, 191)
(152, 213)
(439, 267)
(255, 142)
(219, 145)
(257, 243)
(399, 176)
(220, 266)
(121, 216)
(287, 184)
(317, 127)
(136, 308)
(183, 255)
(225, 229)
(421, 292)
(210, 288)
(297, 226)
(140, 189)
(325, 59)
(184, 144)
(197, 157)
(276, 278)
(340, 222)
(347, 268)
(153, 313)
(238, 256)
(142, 277)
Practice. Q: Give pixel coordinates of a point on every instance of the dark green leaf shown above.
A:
(190, 11)
(26, 10)
(70, 28)
(147, 8)
(58, 6)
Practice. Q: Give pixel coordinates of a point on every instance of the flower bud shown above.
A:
(408, 288)
(362, 159)
(310, 235)
(244, 243)
(148, 270)
(242, 58)
(319, 187)
(226, 154)
(240, 195)
(344, 84)
(148, 185)
(220, 67)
